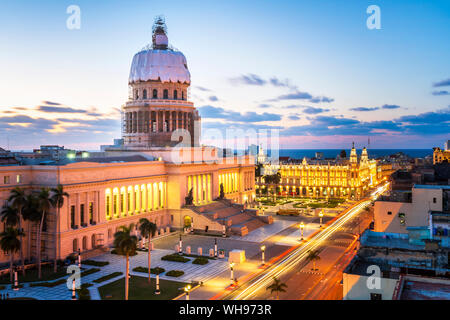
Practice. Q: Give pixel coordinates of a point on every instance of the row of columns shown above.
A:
(201, 188)
(156, 121)
(90, 202)
(229, 181)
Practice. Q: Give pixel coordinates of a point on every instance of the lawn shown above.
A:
(31, 275)
(140, 289)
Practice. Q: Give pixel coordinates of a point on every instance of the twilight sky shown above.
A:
(311, 69)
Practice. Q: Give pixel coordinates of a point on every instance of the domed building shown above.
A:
(158, 103)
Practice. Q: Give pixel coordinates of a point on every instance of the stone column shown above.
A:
(164, 120)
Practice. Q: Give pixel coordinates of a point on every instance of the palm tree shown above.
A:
(125, 245)
(57, 200)
(44, 205)
(31, 213)
(277, 286)
(18, 200)
(313, 256)
(147, 230)
(9, 216)
(10, 243)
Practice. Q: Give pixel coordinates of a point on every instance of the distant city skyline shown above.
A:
(313, 71)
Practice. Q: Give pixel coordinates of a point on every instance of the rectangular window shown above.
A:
(108, 207)
(122, 203)
(389, 213)
(6, 179)
(129, 201)
(72, 217)
(91, 212)
(434, 200)
(115, 204)
(19, 178)
(82, 214)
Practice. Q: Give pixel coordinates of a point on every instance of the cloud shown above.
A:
(265, 106)
(213, 98)
(249, 79)
(60, 109)
(248, 117)
(295, 96)
(390, 106)
(203, 89)
(294, 117)
(440, 93)
(442, 83)
(365, 109)
(321, 99)
(50, 103)
(313, 110)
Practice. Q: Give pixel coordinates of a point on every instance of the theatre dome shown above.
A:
(159, 62)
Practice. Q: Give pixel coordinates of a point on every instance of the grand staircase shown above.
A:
(235, 217)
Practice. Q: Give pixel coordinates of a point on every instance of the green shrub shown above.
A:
(89, 271)
(95, 263)
(107, 277)
(175, 257)
(175, 273)
(200, 261)
(156, 270)
(48, 284)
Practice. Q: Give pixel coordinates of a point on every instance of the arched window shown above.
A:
(75, 245)
(144, 94)
(84, 242)
(155, 94)
(136, 94)
(166, 94)
(175, 94)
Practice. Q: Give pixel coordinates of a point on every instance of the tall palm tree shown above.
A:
(9, 215)
(44, 205)
(147, 230)
(10, 243)
(32, 214)
(57, 200)
(18, 200)
(313, 255)
(277, 286)
(125, 245)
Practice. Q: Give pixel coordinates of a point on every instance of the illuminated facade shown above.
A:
(140, 179)
(440, 155)
(349, 179)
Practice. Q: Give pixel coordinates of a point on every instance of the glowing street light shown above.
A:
(321, 216)
(263, 248)
(79, 258)
(157, 284)
(187, 289)
(74, 296)
(302, 226)
(232, 272)
(180, 245)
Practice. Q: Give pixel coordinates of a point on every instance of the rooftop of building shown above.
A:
(430, 186)
(425, 288)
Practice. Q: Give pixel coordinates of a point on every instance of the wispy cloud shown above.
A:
(442, 83)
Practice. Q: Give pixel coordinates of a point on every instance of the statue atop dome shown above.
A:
(159, 34)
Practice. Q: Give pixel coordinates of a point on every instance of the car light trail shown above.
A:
(262, 280)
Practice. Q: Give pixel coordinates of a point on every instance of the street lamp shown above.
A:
(16, 280)
(180, 246)
(74, 296)
(263, 248)
(302, 226)
(232, 273)
(187, 289)
(215, 247)
(157, 284)
(79, 258)
(321, 216)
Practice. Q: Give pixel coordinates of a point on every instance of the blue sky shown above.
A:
(309, 68)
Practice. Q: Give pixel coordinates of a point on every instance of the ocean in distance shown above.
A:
(332, 153)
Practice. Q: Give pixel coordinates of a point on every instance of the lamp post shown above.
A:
(79, 258)
(74, 296)
(215, 247)
(321, 216)
(224, 231)
(186, 289)
(263, 248)
(232, 272)
(16, 280)
(157, 284)
(180, 245)
(302, 226)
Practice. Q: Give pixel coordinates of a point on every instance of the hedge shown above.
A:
(156, 270)
(200, 261)
(175, 257)
(107, 277)
(175, 273)
(95, 263)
